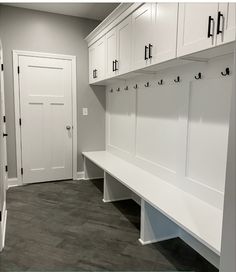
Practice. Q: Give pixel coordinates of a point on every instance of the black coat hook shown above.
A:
(199, 76)
(126, 88)
(118, 89)
(177, 80)
(226, 73)
(160, 82)
(147, 84)
(136, 86)
(111, 90)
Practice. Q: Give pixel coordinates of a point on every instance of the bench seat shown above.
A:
(198, 218)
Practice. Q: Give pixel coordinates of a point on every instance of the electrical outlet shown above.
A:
(85, 111)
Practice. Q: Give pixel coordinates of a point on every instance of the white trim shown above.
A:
(80, 175)
(157, 240)
(118, 15)
(3, 227)
(12, 182)
(16, 54)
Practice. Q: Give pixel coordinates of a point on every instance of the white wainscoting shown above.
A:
(178, 131)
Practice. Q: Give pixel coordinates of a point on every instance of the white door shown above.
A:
(197, 27)
(124, 43)
(165, 32)
(46, 118)
(143, 26)
(226, 23)
(3, 157)
(111, 58)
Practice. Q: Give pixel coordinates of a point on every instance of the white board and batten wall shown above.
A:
(175, 130)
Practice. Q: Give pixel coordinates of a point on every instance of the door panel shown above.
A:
(166, 22)
(142, 22)
(100, 61)
(124, 43)
(46, 111)
(227, 23)
(92, 59)
(111, 52)
(193, 27)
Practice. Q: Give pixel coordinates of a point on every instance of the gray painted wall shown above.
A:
(23, 29)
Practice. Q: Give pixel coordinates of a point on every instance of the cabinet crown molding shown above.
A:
(119, 14)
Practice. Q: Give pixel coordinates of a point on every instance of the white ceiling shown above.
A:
(96, 11)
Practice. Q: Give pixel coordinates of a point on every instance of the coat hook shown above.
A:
(136, 86)
(147, 84)
(118, 89)
(111, 90)
(226, 73)
(160, 82)
(126, 88)
(199, 76)
(177, 80)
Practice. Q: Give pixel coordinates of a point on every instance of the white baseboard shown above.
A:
(81, 176)
(3, 228)
(12, 182)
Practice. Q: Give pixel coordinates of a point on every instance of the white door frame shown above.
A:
(16, 55)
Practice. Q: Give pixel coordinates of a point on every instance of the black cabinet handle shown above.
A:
(113, 66)
(209, 34)
(95, 73)
(145, 52)
(116, 65)
(150, 50)
(218, 22)
(5, 134)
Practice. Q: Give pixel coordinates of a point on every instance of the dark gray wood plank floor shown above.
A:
(65, 226)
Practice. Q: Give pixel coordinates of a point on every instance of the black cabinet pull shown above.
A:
(95, 73)
(150, 50)
(218, 22)
(145, 52)
(116, 65)
(5, 134)
(209, 34)
(113, 66)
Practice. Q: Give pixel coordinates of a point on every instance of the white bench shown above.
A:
(166, 211)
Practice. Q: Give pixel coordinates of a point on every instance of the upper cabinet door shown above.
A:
(226, 23)
(111, 56)
(197, 27)
(124, 44)
(100, 59)
(92, 59)
(143, 24)
(165, 32)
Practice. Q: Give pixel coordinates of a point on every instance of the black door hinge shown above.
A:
(2, 67)
(4, 119)
(21, 171)
(18, 69)
(20, 121)
(6, 168)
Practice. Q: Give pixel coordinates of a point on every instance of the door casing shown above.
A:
(16, 55)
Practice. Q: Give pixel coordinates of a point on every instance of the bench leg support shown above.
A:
(91, 170)
(114, 190)
(155, 226)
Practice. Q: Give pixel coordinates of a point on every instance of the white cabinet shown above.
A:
(205, 25)
(196, 27)
(124, 45)
(143, 20)
(226, 23)
(97, 60)
(111, 53)
(165, 32)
